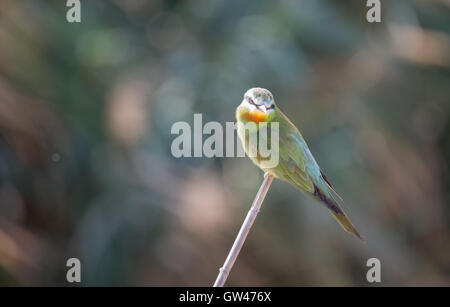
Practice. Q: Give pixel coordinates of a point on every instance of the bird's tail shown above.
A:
(344, 221)
(331, 200)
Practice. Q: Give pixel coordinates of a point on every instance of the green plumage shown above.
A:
(296, 163)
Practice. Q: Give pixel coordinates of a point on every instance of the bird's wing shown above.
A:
(292, 165)
(302, 170)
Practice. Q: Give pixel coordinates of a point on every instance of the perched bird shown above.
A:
(296, 164)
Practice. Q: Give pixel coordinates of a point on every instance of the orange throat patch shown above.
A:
(255, 116)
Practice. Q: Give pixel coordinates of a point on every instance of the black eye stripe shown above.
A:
(250, 101)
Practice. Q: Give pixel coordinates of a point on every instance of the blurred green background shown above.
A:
(86, 169)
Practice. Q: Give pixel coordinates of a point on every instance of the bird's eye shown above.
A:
(269, 105)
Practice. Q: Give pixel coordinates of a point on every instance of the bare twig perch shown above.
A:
(243, 232)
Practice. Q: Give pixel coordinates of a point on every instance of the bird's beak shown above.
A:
(254, 107)
(262, 108)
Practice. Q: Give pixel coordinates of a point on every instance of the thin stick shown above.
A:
(243, 232)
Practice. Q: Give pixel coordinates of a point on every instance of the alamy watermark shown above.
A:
(374, 273)
(374, 12)
(74, 273)
(263, 140)
(74, 12)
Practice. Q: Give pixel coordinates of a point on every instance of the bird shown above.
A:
(296, 164)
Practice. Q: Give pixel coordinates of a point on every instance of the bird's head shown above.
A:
(257, 106)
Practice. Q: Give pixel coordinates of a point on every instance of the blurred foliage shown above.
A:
(86, 169)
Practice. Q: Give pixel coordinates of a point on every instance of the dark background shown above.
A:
(86, 169)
